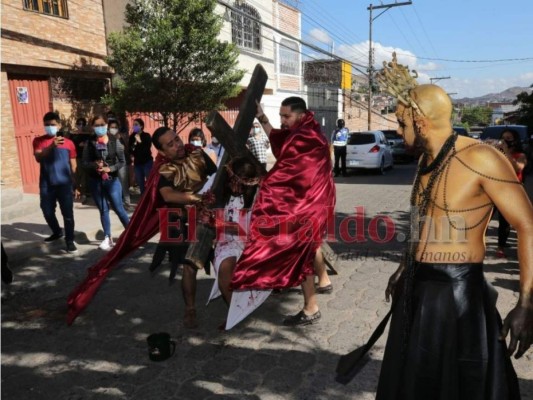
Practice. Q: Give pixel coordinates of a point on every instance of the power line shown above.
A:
(312, 46)
(464, 61)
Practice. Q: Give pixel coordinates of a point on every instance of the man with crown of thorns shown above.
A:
(446, 339)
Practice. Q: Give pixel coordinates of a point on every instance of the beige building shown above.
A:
(52, 60)
(53, 56)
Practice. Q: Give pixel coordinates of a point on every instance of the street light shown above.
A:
(370, 52)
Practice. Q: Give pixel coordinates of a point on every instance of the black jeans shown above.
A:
(50, 195)
(340, 155)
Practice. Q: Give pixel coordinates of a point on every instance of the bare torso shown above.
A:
(460, 210)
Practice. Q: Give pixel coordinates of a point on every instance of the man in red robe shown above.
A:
(290, 213)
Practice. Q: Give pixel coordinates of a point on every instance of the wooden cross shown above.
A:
(234, 143)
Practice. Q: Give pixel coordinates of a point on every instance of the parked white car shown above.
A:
(369, 150)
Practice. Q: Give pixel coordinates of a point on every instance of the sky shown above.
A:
(483, 46)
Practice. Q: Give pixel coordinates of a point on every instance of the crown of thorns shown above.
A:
(242, 181)
(396, 79)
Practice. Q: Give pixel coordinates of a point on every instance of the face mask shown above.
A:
(113, 131)
(197, 143)
(509, 143)
(214, 142)
(137, 128)
(100, 130)
(257, 130)
(51, 130)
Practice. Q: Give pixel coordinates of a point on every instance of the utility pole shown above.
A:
(438, 78)
(371, 51)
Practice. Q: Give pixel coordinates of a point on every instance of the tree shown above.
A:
(525, 111)
(168, 60)
(477, 115)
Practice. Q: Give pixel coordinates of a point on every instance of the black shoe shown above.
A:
(71, 248)
(324, 289)
(302, 319)
(54, 237)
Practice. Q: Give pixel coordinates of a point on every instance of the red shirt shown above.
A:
(55, 168)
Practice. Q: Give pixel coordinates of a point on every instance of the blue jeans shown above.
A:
(50, 195)
(141, 173)
(105, 192)
(125, 183)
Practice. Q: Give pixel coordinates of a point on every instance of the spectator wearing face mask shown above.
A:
(140, 147)
(197, 138)
(102, 158)
(57, 158)
(258, 144)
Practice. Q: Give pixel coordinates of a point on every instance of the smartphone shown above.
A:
(60, 134)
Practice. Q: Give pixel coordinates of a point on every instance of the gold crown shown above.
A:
(396, 79)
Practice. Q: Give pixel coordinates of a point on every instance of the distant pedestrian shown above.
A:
(80, 137)
(113, 128)
(57, 157)
(217, 148)
(103, 157)
(339, 138)
(140, 148)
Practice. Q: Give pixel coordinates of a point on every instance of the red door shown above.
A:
(30, 100)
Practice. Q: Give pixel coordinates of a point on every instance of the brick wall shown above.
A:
(288, 82)
(10, 171)
(289, 20)
(30, 38)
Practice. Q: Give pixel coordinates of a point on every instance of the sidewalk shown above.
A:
(23, 237)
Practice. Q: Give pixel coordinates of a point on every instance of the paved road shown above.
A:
(104, 354)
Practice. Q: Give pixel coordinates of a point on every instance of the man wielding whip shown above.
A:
(446, 339)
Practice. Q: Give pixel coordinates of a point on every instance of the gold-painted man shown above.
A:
(446, 339)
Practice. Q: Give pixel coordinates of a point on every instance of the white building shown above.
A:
(266, 32)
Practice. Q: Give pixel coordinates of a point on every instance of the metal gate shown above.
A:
(30, 100)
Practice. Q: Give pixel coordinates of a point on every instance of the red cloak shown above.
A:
(291, 211)
(144, 224)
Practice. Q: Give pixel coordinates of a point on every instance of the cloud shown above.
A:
(320, 36)
(479, 87)
(464, 87)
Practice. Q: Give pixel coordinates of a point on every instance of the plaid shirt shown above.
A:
(258, 146)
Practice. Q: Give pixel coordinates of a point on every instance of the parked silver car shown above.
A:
(397, 143)
(369, 150)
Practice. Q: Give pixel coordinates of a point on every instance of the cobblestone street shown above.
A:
(104, 354)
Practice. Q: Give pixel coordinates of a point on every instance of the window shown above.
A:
(57, 8)
(246, 32)
(289, 57)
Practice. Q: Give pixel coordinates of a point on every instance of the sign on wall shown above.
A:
(22, 95)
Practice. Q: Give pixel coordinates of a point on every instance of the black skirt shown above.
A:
(452, 351)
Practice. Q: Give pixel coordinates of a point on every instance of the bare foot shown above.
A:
(189, 319)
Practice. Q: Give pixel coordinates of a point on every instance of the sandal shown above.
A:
(302, 319)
